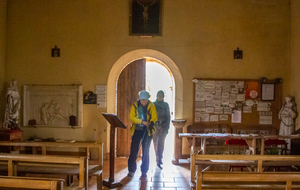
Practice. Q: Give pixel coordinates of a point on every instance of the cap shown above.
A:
(144, 95)
(160, 92)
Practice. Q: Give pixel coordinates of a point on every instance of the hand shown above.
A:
(146, 123)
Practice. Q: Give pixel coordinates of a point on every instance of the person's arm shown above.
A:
(134, 118)
(168, 115)
(153, 114)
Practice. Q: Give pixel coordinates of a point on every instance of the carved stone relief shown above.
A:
(52, 105)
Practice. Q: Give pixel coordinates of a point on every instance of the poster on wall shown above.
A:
(236, 116)
(267, 92)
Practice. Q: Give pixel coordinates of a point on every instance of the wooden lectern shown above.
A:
(115, 122)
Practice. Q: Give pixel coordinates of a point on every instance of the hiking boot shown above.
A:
(130, 174)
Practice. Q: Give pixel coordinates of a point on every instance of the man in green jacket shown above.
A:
(143, 117)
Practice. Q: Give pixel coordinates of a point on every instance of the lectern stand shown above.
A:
(114, 123)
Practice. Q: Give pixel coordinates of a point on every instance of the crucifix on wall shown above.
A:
(145, 17)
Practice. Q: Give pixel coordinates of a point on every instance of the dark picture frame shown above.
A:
(238, 54)
(145, 17)
(55, 52)
(267, 91)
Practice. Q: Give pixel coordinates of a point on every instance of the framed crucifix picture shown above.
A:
(145, 17)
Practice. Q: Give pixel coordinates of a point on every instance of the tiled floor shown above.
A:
(171, 177)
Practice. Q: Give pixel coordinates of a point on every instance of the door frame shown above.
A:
(127, 59)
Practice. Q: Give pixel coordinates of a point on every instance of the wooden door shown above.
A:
(130, 82)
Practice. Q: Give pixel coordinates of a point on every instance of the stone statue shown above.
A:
(13, 104)
(287, 114)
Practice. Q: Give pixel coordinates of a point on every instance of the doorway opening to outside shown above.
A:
(159, 77)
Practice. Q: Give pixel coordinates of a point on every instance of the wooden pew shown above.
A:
(45, 145)
(94, 170)
(31, 183)
(257, 160)
(47, 164)
(238, 177)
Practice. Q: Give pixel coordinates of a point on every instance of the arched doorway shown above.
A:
(143, 74)
(139, 54)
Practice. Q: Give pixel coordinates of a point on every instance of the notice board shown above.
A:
(242, 104)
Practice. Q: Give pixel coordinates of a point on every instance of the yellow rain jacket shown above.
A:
(151, 117)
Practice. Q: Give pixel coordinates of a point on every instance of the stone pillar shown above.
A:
(178, 124)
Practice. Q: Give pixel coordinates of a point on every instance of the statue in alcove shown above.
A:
(13, 104)
(287, 115)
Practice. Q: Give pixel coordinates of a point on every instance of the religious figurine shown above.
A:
(287, 114)
(145, 12)
(13, 103)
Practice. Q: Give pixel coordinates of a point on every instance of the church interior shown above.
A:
(71, 70)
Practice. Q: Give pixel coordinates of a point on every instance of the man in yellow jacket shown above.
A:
(143, 117)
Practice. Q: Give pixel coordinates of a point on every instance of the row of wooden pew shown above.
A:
(256, 178)
(62, 164)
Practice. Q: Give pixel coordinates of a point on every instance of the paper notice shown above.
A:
(214, 118)
(218, 110)
(223, 117)
(227, 111)
(225, 95)
(204, 117)
(236, 116)
(234, 90)
(100, 89)
(265, 120)
(209, 110)
(240, 97)
(247, 109)
(199, 96)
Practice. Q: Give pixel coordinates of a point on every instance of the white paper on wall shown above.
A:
(247, 109)
(100, 89)
(226, 88)
(225, 102)
(101, 104)
(240, 97)
(225, 95)
(234, 90)
(217, 103)
(209, 103)
(205, 117)
(228, 111)
(218, 110)
(209, 84)
(199, 104)
(265, 120)
(223, 117)
(217, 97)
(236, 116)
(214, 118)
(199, 96)
(209, 110)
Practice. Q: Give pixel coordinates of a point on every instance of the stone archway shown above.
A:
(138, 54)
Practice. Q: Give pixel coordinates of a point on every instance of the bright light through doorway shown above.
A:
(158, 78)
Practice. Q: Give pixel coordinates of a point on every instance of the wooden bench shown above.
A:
(31, 183)
(57, 145)
(239, 177)
(94, 170)
(256, 161)
(14, 164)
